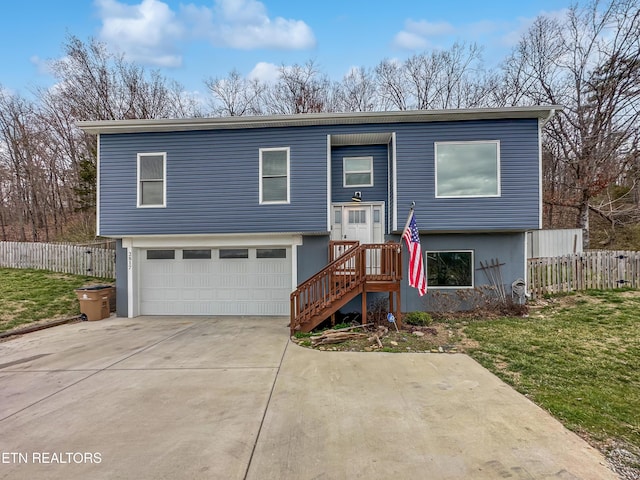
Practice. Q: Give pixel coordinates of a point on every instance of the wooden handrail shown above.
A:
(356, 266)
(338, 248)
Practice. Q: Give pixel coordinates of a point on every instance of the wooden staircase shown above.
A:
(353, 269)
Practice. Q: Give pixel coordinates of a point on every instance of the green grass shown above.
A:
(30, 295)
(578, 357)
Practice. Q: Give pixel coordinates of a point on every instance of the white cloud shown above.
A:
(428, 29)
(265, 72)
(410, 41)
(145, 32)
(42, 66)
(244, 24)
(423, 34)
(150, 31)
(417, 34)
(514, 32)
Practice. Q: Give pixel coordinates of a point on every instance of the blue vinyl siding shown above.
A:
(517, 208)
(212, 183)
(212, 179)
(507, 248)
(376, 193)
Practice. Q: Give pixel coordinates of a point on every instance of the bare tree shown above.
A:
(32, 183)
(299, 89)
(589, 63)
(236, 95)
(357, 92)
(95, 84)
(393, 87)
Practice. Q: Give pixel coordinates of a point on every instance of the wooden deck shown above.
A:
(353, 270)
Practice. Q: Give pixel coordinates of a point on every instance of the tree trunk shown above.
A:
(583, 222)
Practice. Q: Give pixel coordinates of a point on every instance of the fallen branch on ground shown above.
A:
(335, 337)
(345, 329)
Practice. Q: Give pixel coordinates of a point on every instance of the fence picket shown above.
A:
(96, 260)
(592, 269)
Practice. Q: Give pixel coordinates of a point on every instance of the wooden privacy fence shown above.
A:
(597, 269)
(96, 260)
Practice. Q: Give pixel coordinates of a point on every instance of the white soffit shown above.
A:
(361, 139)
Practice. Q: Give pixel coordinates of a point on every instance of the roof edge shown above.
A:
(543, 112)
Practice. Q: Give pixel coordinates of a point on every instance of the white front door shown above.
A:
(363, 222)
(356, 223)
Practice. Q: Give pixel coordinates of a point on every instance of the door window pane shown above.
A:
(357, 216)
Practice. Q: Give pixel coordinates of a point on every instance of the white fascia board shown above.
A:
(310, 119)
(223, 240)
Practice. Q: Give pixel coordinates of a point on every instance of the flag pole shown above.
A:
(413, 204)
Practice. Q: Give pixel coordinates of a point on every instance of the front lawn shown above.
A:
(31, 295)
(577, 356)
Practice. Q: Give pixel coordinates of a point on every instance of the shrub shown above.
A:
(420, 319)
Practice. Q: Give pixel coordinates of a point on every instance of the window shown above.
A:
(467, 169)
(161, 254)
(196, 254)
(151, 179)
(358, 171)
(274, 175)
(450, 269)
(271, 253)
(357, 217)
(234, 253)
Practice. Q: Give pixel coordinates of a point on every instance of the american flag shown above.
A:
(416, 267)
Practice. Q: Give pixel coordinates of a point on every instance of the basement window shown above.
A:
(452, 269)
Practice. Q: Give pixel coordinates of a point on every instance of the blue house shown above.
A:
(229, 216)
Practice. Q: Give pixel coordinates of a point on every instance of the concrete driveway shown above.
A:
(231, 398)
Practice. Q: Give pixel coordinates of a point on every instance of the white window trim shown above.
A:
(164, 180)
(344, 171)
(281, 202)
(473, 276)
(498, 179)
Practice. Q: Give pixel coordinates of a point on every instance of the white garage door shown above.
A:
(215, 281)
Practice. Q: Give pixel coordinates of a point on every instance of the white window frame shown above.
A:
(344, 171)
(260, 178)
(476, 142)
(164, 180)
(452, 287)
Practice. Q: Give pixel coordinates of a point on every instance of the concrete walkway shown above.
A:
(232, 398)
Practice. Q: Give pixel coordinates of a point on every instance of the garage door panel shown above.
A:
(239, 286)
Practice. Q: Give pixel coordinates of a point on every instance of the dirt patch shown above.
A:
(437, 338)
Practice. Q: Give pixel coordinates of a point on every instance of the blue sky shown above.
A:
(191, 40)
